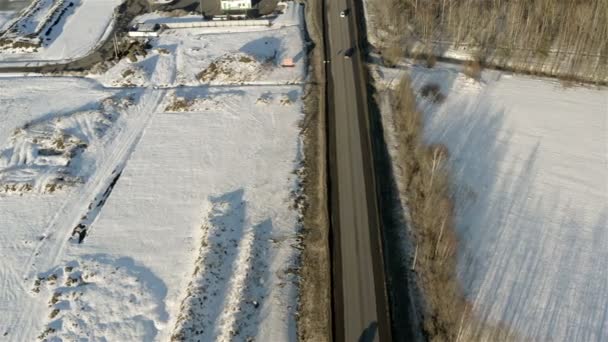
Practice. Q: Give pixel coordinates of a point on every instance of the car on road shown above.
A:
(348, 53)
(344, 13)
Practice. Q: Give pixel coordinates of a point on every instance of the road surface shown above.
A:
(360, 304)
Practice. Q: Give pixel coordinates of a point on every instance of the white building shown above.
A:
(230, 5)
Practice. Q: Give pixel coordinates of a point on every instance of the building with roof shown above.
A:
(235, 5)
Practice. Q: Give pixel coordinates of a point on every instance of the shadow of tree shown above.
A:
(263, 49)
(54, 29)
(530, 253)
(369, 334)
(200, 314)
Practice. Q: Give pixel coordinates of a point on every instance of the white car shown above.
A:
(344, 13)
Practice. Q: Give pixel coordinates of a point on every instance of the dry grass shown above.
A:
(128, 72)
(424, 169)
(179, 104)
(237, 67)
(314, 304)
(472, 69)
(391, 55)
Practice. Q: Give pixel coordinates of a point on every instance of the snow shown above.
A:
(188, 172)
(5, 17)
(529, 160)
(45, 155)
(219, 55)
(81, 28)
(186, 205)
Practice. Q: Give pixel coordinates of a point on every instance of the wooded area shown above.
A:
(570, 34)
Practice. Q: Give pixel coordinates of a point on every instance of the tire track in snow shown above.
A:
(50, 250)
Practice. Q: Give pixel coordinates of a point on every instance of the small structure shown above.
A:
(288, 62)
(146, 30)
(235, 5)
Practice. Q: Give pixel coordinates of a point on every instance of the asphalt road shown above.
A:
(360, 302)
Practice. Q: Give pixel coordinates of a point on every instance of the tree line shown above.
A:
(571, 34)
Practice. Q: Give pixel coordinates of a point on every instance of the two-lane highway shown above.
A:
(360, 303)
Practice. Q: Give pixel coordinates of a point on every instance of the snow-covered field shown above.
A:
(151, 212)
(220, 55)
(9, 8)
(67, 30)
(5, 16)
(529, 167)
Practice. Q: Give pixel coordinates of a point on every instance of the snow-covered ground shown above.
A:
(5, 16)
(183, 217)
(219, 55)
(529, 167)
(9, 8)
(79, 29)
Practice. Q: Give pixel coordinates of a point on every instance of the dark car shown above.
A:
(348, 53)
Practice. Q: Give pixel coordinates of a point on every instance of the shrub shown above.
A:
(431, 60)
(432, 91)
(425, 173)
(392, 55)
(472, 69)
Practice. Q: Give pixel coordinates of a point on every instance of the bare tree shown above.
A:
(568, 36)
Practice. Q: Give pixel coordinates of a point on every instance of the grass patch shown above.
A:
(238, 67)
(245, 59)
(127, 73)
(179, 104)
(472, 69)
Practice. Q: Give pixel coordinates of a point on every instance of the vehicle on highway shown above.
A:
(348, 53)
(344, 13)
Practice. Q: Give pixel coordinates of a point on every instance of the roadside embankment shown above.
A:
(314, 322)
